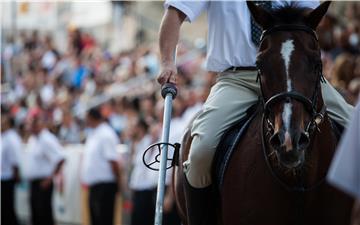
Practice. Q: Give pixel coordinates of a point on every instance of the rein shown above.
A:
(309, 104)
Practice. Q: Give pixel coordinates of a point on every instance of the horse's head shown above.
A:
(289, 64)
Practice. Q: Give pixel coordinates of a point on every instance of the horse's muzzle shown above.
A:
(284, 141)
(290, 149)
(292, 159)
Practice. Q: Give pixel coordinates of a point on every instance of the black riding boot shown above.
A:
(200, 205)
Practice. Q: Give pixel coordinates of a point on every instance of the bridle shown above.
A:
(310, 105)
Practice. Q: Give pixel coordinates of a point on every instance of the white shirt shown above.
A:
(48, 60)
(141, 177)
(345, 168)
(47, 93)
(10, 147)
(100, 149)
(229, 30)
(43, 153)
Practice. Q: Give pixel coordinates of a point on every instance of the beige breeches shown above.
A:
(230, 97)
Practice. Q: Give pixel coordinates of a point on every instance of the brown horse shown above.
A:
(276, 176)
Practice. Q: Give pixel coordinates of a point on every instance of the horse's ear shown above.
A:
(260, 15)
(314, 17)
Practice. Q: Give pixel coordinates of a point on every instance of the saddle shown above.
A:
(228, 143)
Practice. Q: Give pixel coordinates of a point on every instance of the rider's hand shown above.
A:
(168, 73)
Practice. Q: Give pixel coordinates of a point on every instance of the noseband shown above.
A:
(309, 104)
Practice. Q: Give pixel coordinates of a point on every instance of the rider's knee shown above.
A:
(202, 151)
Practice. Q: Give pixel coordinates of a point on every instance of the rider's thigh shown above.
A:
(228, 101)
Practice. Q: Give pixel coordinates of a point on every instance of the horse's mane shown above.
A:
(289, 13)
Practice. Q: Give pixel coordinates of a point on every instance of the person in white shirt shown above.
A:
(231, 52)
(344, 171)
(143, 181)
(44, 160)
(10, 148)
(100, 169)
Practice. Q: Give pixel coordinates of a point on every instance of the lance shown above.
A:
(168, 92)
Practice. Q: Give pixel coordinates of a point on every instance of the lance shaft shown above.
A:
(168, 92)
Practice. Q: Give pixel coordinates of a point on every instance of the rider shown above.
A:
(232, 54)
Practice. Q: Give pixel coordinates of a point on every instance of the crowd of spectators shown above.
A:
(339, 36)
(37, 76)
(65, 83)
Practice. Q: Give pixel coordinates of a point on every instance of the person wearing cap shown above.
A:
(45, 157)
(100, 169)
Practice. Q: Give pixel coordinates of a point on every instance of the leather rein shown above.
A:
(310, 105)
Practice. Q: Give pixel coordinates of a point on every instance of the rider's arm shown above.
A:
(169, 37)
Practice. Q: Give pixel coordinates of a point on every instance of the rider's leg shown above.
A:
(338, 109)
(228, 101)
(230, 97)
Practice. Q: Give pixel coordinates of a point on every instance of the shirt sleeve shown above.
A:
(109, 147)
(192, 9)
(306, 4)
(13, 149)
(345, 168)
(54, 150)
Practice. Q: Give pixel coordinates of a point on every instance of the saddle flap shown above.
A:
(228, 143)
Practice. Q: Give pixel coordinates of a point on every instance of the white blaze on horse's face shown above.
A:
(287, 48)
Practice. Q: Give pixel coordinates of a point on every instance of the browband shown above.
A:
(288, 27)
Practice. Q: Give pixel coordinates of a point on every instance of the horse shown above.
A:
(276, 174)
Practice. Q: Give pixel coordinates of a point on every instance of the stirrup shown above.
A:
(155, 163)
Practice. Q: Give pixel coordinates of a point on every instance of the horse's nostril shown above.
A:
(303, 140)
(275, 141)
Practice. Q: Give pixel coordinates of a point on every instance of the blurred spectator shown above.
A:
(143, 182)
(343, 70)
(45, 157)
(343, 73)
(32, 42)
(76, 43)
(79, 73)
(10, 148)
(117, 117)
(49, 58)
(69, 131)
(100, 170)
